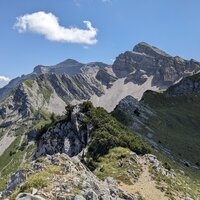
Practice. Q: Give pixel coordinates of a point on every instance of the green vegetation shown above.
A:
(46, 91)
(10, 161)
(20, 150)
(29, 82)
(180, 184)
(44, 88)
(108, 133)
(44, 118)
(14, 155)
(116, 164)
(177, 124)
(45, 123)
(121, 116)
(38, 181)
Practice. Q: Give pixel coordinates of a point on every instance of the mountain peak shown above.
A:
(67, 62)
(146, 48)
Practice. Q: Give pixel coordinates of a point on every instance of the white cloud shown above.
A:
(47, 24)
(4, 81)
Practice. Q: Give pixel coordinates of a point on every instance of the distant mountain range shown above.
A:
(132, 73)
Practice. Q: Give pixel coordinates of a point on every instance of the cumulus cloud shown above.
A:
(47, 24)
(4, 81)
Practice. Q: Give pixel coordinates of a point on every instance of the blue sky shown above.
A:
(172, 25)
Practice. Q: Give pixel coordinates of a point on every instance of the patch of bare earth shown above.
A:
(145, 186)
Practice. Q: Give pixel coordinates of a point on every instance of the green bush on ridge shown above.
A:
(109, 133)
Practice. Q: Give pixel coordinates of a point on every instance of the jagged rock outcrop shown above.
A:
(14, 181)
(18, 103)
(133, 113)
(66, 137)
(145, 61)
(71, 180)
(105, 78)
(69, 67)
(60, 177)
(188, 85)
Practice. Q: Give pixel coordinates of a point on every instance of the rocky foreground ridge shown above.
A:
(88, 155)
(61, 177)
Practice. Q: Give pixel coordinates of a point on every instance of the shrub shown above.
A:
(23, 145)
(87, 106)
(121, 116)
(109, 133)
(35, 181)
(167, 166)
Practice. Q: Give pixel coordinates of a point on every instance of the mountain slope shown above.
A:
(50, 88)
(30, 105)
(93, 136)
(146, 67)
(169, 120)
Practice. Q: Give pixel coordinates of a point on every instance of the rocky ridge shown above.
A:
(63, 177)
(188, 85)
(69, 137)
(146, 60)
(60, 177)
(167, 117)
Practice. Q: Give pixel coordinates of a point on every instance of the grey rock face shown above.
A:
(68, 66)
(130, 109)
(78, 197)
(151, 61)
(27, 196)
(91, 195)
(73, 177)
(188, 85)
(16, 179)
(143, 47)
(66, 137)
(50, 92)
(105, 78)
(157, 166)
(21, 102)
(70, 80)
(50, 88)
(17, 103)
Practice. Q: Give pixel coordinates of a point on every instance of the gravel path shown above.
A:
(146, 186)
